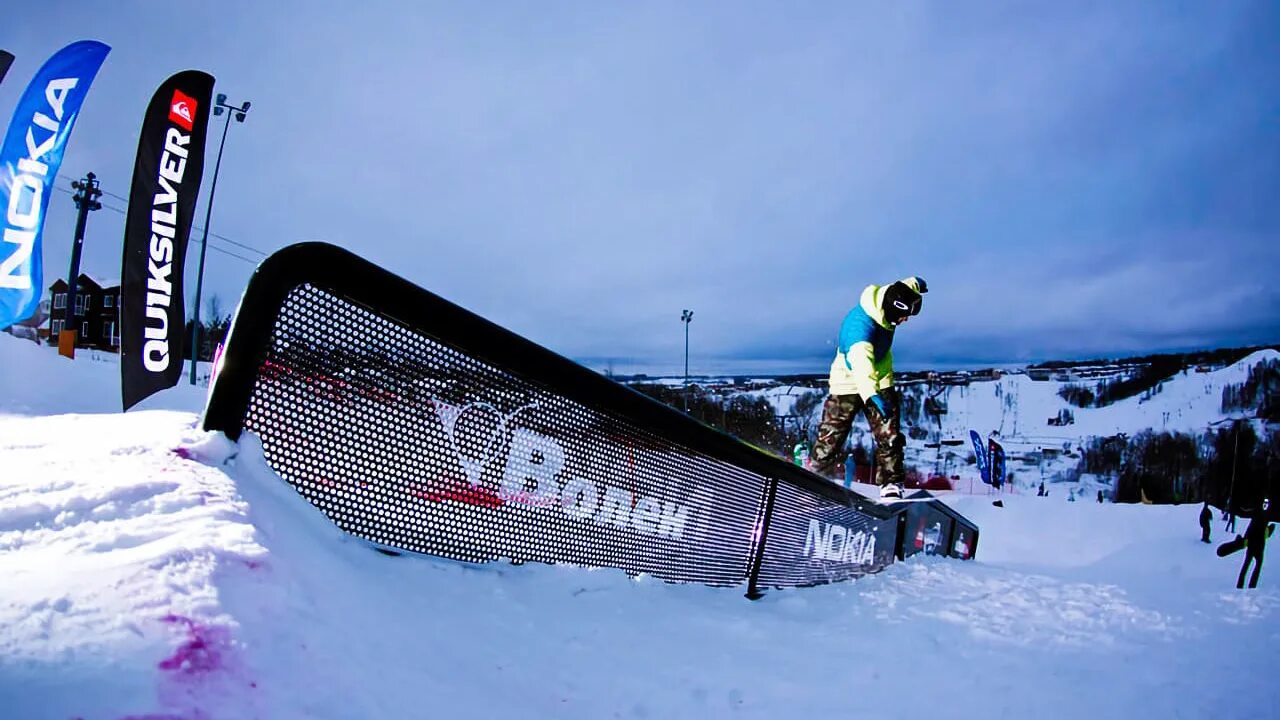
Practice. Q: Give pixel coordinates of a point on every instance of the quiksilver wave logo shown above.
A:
(26, 192)
(182, 110)
(837, 543)
(533, 473)
(164, 223)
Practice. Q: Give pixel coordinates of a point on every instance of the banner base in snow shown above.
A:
(418, 425)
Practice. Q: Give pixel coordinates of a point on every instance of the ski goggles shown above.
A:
(909, 308)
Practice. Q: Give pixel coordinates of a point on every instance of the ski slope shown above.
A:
(1017, 410)
(155, 572)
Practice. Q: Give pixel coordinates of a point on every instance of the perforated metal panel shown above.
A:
(814, 540)
(409, 443)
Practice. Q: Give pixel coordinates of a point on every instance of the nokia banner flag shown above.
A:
(980, 455)
(6, 59)
(29, 162)
(162, 199)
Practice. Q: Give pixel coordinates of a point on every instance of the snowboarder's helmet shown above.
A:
(900, 302)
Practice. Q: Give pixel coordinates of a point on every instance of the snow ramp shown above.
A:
(419, 426)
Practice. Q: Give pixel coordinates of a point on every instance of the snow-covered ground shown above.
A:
(154, 572)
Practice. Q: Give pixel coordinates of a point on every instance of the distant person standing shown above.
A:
(1255, 544)
(861, 380)
(1206, 517)
(1099, 495)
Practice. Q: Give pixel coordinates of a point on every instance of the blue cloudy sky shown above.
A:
(1073, 179)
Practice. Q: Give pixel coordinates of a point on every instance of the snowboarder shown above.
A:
(1040, 493)
(1255, 543)
(1099, 495)
(862, 380)
(1206, 517)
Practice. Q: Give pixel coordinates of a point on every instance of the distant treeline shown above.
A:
(1146, 380)
(1218, 357)
(754, 419)
(1228, 465)
(747, 418)
(1259, 392)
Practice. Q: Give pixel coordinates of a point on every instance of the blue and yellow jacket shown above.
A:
(864, 358)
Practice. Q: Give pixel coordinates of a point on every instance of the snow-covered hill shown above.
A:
(1018, 409)
(152, 571)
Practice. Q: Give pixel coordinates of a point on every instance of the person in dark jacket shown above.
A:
(1206, 517)
(1255, 543)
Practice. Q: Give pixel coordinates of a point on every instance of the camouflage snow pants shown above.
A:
(837, 421)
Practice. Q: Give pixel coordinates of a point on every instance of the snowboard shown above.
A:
(1231, 546)
(896, 500)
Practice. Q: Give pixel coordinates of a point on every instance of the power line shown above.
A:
(196, 241)
(230, 254)
(223, 238)
(229, 240)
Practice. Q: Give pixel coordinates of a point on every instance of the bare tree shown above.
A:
(213, 309)
(804, 408)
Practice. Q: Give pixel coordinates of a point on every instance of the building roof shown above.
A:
(105, 284)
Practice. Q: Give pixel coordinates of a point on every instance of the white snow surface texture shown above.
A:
(150, 571)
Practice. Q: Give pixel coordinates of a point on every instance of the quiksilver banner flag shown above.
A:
(6, 59)
(162, 199)
(29, 162)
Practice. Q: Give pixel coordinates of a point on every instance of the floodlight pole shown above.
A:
(218, 108)
(686, 316)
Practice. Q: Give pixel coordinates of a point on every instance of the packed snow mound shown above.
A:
(156, 571)
(37, 380)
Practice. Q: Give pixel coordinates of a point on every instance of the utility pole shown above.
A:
(1235, 453)
(86, 200)
(686, 316)
(219, 107)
